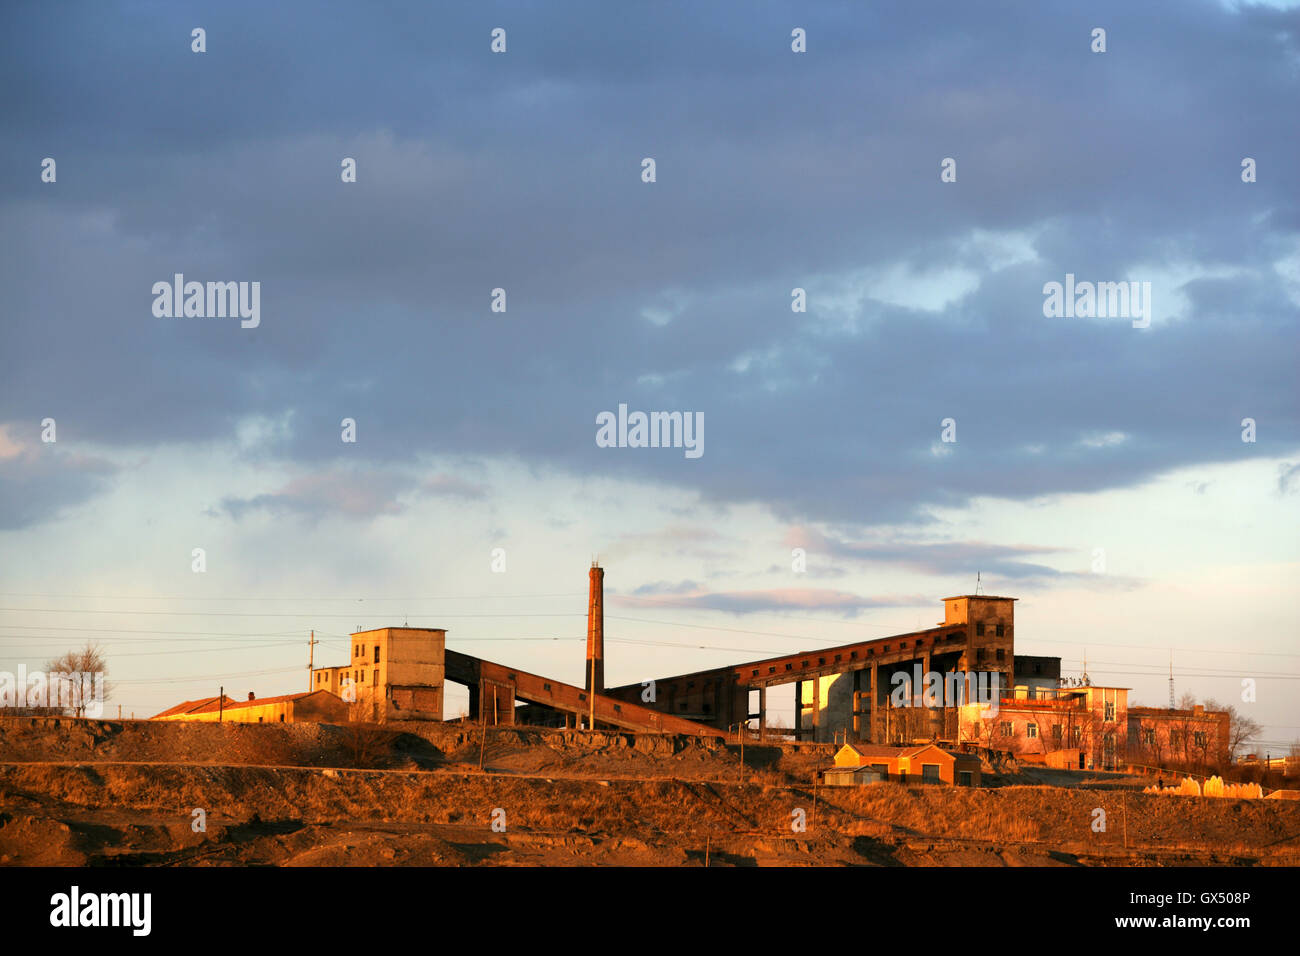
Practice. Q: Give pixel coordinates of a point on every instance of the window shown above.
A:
(929, 773)
(376, 653)
(1002, 630)
(1004, 728)
(259, 720)
(1076, 735)
(1031, 730)
(1001, 654)
(975, 729)
(282, 718)
(883, 768)
(1149, 736)
(979, 654)
(965, 778)
(1110, 710)
(1198, 738)
(1056, 733)
(376, 677)
(979, 629)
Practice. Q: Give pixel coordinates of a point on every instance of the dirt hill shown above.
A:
(124, 792)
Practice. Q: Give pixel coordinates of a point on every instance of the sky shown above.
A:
(922, 420)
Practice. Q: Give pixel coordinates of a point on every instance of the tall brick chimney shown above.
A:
(596, 629)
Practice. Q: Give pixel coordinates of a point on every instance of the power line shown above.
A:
(134, 630)
(159, 597)
(209, 677)
(305, 615)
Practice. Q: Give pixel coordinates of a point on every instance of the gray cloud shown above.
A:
(843, 603)
(522, 171)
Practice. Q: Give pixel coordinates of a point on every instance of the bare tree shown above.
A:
(365, 739)
(1240, 727)
(72, 678)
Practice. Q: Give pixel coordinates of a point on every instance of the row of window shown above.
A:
(1147, 735)
(1000, 630)
(359, 651)
(1005, 729)
(358, 677)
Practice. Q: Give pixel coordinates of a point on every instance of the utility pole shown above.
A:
(221, 705)
(311, 658)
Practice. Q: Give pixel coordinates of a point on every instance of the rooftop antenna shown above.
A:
(1086, 682)
(978, 587)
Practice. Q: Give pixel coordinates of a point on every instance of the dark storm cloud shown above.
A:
(775, 170)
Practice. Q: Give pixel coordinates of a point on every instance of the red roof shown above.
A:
(211, 704)
(255, 702)
(189, 707)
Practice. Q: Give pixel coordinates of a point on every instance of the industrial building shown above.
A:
(396, 673)
(847, 689)
(316, 707)
(917, 764)
(845, 693)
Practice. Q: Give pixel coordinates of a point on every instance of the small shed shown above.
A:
(851, 776)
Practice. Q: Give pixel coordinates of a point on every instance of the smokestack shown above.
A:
(596, 629)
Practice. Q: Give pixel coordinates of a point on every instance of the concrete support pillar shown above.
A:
(925, 669)
(762, 712)
(816, 716)
(857, 704)
(798, 708)
(873, 729)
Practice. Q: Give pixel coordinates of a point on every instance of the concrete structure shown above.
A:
(494, 690)
(1034, 674)
(924, 764)
(1089, 720)
(396, 673)
(846, 689)
(1159, 735)
(319, 707)
(399, 673)
(1093, 727)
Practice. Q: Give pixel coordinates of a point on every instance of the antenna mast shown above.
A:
(1171, 679)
